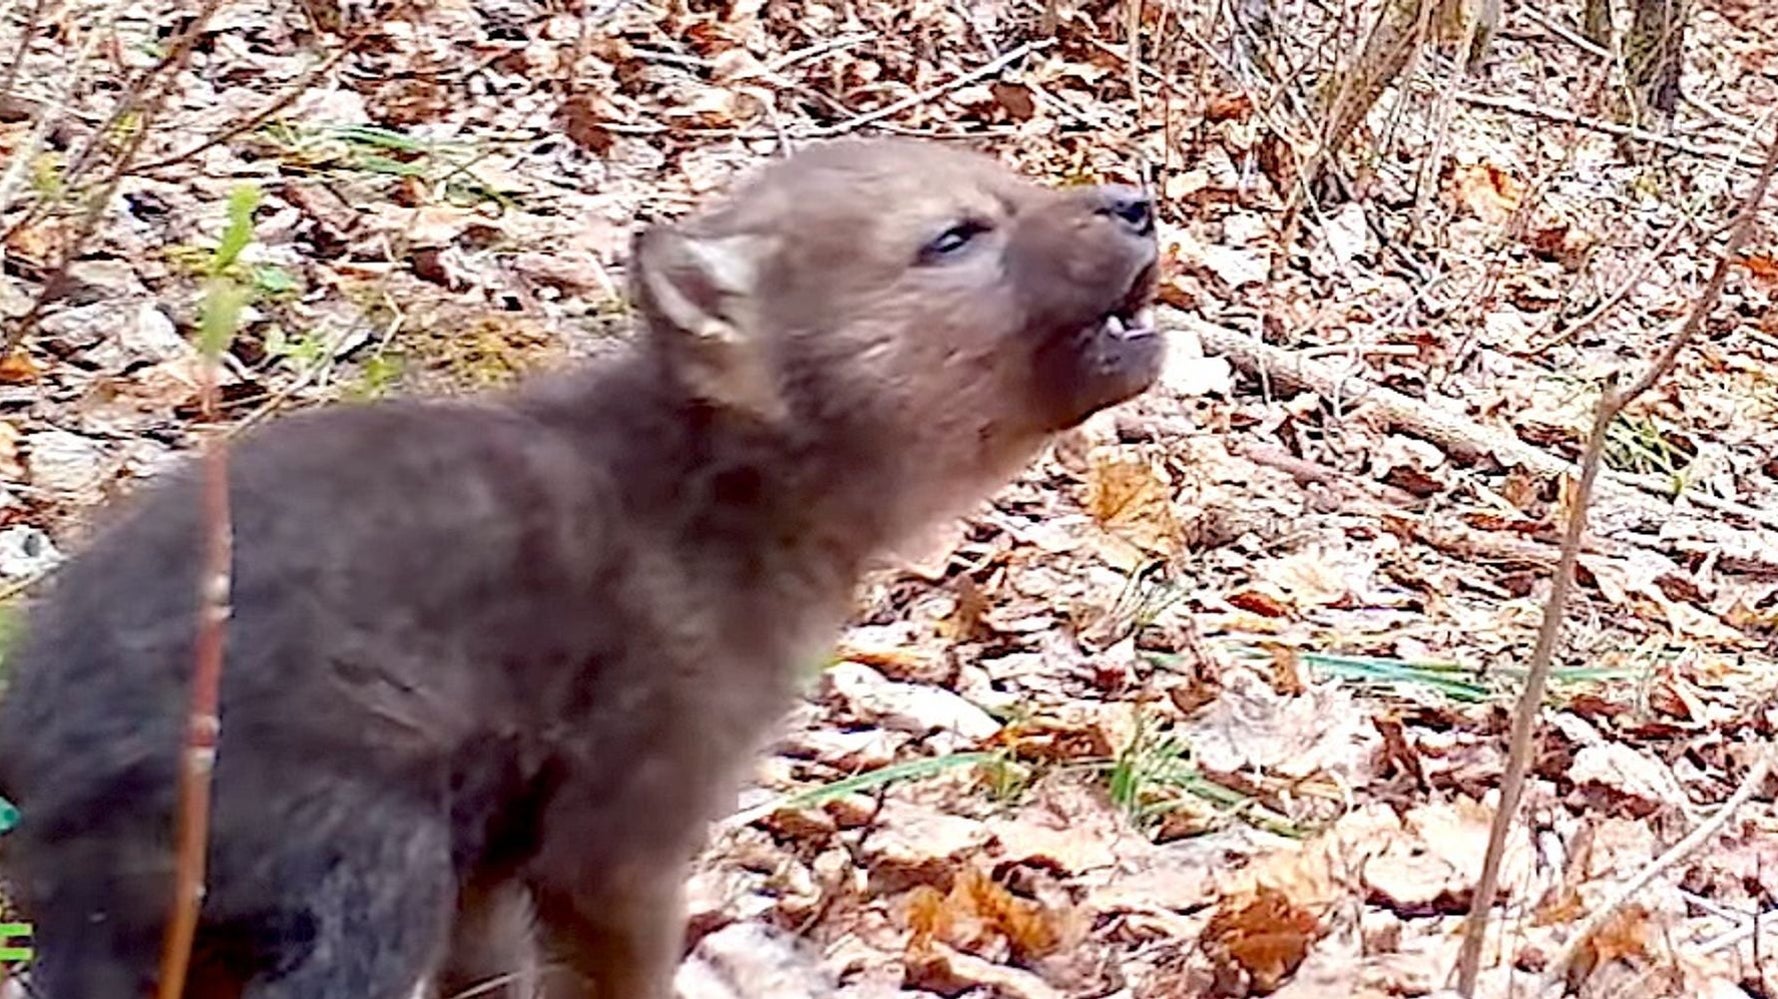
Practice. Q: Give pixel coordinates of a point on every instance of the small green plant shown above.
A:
(225, 296)
(870, 779)
(303, 351)
(1639, 444)
(273, 281)
(379, 374)
(1463, 683)
(370, 149)
(1153, 775)
(261, 280)
(47, 179)
(12, 629)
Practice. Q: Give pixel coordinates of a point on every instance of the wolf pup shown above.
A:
(526, 643)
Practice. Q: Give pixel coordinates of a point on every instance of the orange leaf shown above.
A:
(1130, 499)
(1763, 268)
(1227, 107)
(1257, 602)
(1488, 192)
(17, 368)
(1265, 936)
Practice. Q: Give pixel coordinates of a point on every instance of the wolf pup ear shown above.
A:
(697, 295)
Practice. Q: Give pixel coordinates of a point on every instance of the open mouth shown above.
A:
(1133, 317)
(1128, 324)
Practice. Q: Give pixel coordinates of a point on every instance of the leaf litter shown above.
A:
(1212, 701)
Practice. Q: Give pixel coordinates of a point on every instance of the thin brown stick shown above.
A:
(285, 98)
(178, 52)
(1518, 107)
(1531, 698)
(1455, 433)
(95, 208)
(32, 20)
(1622, 291)
(1133, 41)
(1612, 401)
(48, 115)
(203, 727)
(1677, 852)
(981, 72)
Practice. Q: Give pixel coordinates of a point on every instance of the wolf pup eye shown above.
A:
(951, 242)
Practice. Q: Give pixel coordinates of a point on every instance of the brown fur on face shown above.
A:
(845, 315)
(492, 664)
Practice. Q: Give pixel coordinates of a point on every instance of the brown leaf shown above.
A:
(1259, 602)
(10, 465)
(1015, 99)
(582, 118)
(1487, 191)
(1228, 107)
(1625, 934)
(17, 368)
(967, 621)
(1763, 267)
(1397, 751)
(1129, 498)
(1286, 669)
(1262, 938)
(975, 914)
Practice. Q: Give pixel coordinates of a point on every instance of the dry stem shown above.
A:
(288, 96)
(176, 58)
(1677, 852)
(1612, 401)
(204, 719)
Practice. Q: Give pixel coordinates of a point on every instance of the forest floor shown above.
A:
(1214, 699)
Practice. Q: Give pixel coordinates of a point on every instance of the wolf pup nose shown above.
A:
(507, 655)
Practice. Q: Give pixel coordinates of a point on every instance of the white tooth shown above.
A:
(1114, 325)
(1145, 317)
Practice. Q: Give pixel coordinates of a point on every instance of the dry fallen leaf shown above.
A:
(1487, 191)
(17, 368)
(1129, 498)
(1258, 940)
(977, 913)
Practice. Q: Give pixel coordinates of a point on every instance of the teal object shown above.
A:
(9, 816)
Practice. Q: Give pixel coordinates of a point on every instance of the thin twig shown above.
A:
(981, 72)
(822, 48)
(178, 56)
(19, 586)
(287, 97)
(1612, 401)
(1531, 697)
(1513, 106)
(1133, 41)
(1630, 283)
(49, 114)
(1756, 777)
(204, 719)
(24, 46)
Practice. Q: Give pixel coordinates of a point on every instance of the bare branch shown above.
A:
(1612, 402)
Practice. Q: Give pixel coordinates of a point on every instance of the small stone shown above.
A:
(862, 749)
(26, 551)
(152, 335)
(91, 281)
(800, 823)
